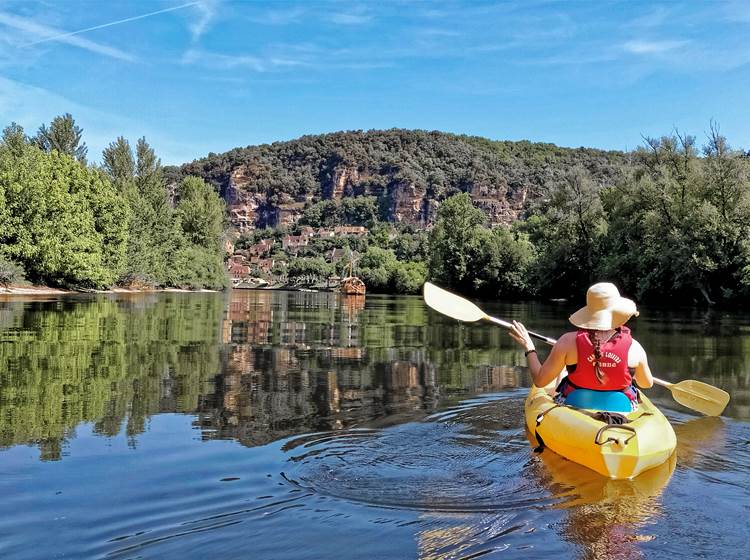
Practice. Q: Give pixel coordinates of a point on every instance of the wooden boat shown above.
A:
(352, 286)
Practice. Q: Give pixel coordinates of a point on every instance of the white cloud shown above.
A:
(640, 46)
(279, 17)
(219, 61)
(350, 18)
(36, 32)
(206, 10)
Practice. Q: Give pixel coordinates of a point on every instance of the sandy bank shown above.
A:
(46, 290)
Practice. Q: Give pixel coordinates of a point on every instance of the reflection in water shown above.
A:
(321, 417)
(605, 517)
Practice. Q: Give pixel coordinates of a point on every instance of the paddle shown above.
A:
(695, 395)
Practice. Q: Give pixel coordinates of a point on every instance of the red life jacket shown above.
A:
(613, 364)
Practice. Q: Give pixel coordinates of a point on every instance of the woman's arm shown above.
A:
(643, 376)
(541, 374)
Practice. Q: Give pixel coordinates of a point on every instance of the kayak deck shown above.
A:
(617, 452)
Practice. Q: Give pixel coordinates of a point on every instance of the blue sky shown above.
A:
(209, 75)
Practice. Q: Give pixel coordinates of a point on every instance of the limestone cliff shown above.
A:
(409, 172)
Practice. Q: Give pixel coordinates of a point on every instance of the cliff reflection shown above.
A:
(261, 365)
(253, 365)
(297, 362)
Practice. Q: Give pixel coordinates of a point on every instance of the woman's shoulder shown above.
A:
(637, 352)
(568, 338)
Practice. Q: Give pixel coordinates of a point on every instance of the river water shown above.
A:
(284, 425)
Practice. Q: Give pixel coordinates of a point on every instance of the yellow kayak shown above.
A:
(646, 441)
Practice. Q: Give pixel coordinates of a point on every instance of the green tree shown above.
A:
(200, 212)
(455, 242)
(64, 223)
(14, 138)
(64, 136)
(312, 267)
(359, 210)
(409, 277)
(568, 231)
(154, 233)
(119, 163)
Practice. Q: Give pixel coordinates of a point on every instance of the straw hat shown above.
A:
(605, 309)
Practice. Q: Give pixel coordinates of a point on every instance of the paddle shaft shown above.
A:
(552, 341)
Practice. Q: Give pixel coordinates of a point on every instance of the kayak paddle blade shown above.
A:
(450, 304)
(700, 396)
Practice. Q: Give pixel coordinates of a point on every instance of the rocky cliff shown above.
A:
(409, 172)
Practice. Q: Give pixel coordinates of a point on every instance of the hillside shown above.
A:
(408, 171)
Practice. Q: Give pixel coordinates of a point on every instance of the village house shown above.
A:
(356, 231)
(307, 231)
(237, 258)
(326, 233)
(261, 248)
(264, 265)
(238, 270)
(294, 243)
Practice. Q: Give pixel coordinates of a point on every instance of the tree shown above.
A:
(155, 235)
(315, 267)
(359, 210)
(118, 162)
(680, 222)
(14, 138)
(64, 136)
(455, 242)
(568, 229)
(200, 212)
(64, 223)
(409, 277)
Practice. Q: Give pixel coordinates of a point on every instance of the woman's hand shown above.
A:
(519, 333)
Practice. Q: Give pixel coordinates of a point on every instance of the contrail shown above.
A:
(111, 23)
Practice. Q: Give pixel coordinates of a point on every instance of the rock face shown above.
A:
(409, 173)
(405, 202)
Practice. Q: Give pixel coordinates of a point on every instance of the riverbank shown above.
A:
(19, 290)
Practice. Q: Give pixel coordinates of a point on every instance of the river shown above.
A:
(292, 425)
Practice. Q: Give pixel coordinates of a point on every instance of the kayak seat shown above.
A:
(611, 401)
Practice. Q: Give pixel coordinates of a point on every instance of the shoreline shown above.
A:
(49, 291)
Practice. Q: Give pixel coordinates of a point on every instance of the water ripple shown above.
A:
(466, 459)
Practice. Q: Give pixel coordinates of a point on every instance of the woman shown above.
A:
(601, 358)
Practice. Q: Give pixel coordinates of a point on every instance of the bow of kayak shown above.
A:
(646, 441)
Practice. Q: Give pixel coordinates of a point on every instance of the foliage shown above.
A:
(200, 212)
(64, 223)
(73, 225)
(64, 136)
(471, 258)
(681, 223)
(409, 277)
(195, 266)
(567, 228)
(315, 267)
(456, 242)
(10, 273)
(355, 211)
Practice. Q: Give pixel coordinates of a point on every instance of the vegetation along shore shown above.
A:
(486, 218)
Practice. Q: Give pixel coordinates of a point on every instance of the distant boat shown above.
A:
(352, 286)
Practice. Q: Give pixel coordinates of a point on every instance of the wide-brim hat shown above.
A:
(605, 309)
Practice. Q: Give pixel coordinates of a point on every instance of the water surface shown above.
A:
(287, 425)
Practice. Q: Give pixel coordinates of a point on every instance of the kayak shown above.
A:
(644, 442)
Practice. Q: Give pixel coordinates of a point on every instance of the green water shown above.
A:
(297, 425)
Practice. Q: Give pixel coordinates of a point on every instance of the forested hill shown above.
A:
(409, 172)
